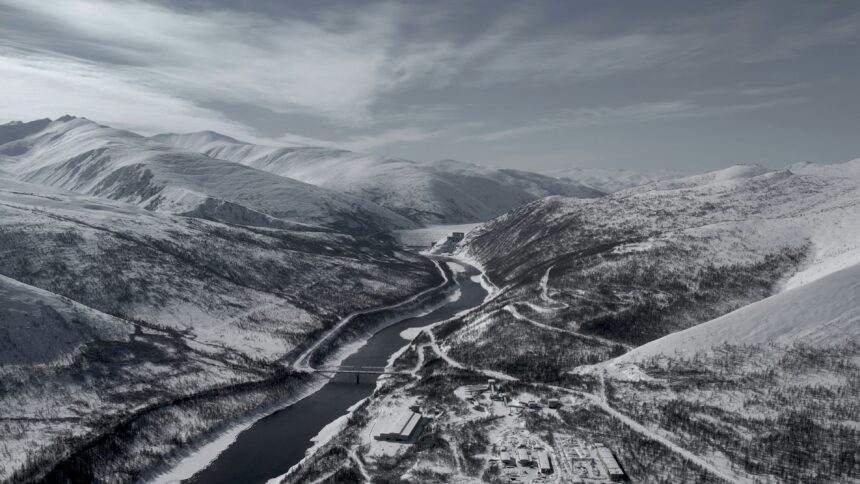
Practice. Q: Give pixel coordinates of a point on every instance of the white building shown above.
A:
(523, 457)
(399, 427)
(609, 462)
(544, 463)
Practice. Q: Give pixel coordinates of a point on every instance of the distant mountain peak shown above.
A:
(16, 130)
(609, 179)
(433, 192)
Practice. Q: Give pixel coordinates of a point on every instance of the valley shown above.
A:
(593, 301)
(406, 242)
(174, 308)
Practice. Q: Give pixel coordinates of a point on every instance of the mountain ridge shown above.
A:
(434, 192)
(80, 155)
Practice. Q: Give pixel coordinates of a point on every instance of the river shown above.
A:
(273, 444)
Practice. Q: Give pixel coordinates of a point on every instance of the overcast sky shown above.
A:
(679, 85)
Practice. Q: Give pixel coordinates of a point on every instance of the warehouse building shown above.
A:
(523, 457)
(399, 427)
(609, 462)
(544, 463)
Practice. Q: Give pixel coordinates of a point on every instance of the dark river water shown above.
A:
(275, 443)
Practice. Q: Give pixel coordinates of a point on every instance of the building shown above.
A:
(523, 457)
(507, 459)
(399, 427)
(473, 391)
(544, 463)
(554, 403)
(609, 462)
(457, 236)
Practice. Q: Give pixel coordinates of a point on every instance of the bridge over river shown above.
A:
(357, 371)
(273, 444)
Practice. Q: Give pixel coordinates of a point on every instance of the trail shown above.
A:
(544, 288)
(354, 457)
(510, 308)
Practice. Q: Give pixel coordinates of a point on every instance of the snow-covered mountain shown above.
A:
(607, 179)
(821, 313)
(79, 155)
(435, 192)
(638, 264)
(820, 304)
(108, 309)
(40, 327)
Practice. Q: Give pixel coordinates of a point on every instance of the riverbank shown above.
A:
(327, 433)
(189, 461)
(277, 442)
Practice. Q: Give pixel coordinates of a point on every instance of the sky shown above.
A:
(676, 85)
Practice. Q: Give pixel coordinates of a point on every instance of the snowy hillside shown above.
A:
(749, 208)
(716, 317)
(587, 280)
(107, 308)
(122, 259)
(820, 304)
(439, 192)
(77, 154)
(850, 169)
(608, 180)
(39, 327)
(820, 313)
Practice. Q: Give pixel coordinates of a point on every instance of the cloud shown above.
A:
(337, 64)
(159, 66)
(335, 68)
(634, 113)
(788, 41)
(36, 85)
(402, 135)
(566, 58)
(744, 90)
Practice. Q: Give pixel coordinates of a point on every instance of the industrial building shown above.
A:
(523, 457)
(399, 427)
(544, 463)
(609, 462)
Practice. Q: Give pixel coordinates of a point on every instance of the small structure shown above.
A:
(457, 236)
(473, 391)
(523, 457)
(609, 462)
(507, 459)
(554, 403)
(533, 404)
(544, 463)
(399, 427)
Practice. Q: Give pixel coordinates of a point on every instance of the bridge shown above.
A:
(358, 370)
